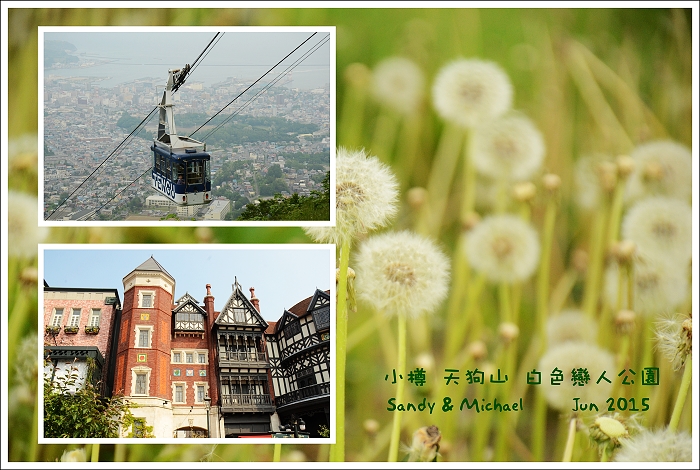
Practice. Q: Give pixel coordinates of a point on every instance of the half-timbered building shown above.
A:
(299, 349)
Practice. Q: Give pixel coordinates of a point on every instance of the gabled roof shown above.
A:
(187, 302)
(287, 317)
(240, 311)
(185, 298)
(152, 265)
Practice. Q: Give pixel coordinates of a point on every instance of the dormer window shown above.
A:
(189, 321)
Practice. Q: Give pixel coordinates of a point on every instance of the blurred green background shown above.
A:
(591, 79)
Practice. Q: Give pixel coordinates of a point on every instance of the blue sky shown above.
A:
(281, 274)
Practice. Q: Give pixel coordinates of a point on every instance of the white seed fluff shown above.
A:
(468, 91)
(504, 248)
(662, 228)
(661, 168)
(656, 446)
(24, 233)
(509, 147)
(401, 273)
(366, 196)
(571, 325)
(399, 83)
(575, 355)
(659, 287)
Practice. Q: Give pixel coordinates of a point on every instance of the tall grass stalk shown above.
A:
(276, 452)
(570, 440)
(596, 261)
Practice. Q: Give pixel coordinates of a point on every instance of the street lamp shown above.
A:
(207, 400)
(299, 425)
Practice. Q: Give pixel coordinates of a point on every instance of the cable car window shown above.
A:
(194, 172)
(180, 173)
(207, 173)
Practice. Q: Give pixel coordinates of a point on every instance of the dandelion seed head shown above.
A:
(551, 182)
(402, 273)
(23, 153)
(574, 355)
(659, 287)
(662, 168)
(399, 83)
(503, 248)
(75, 455)
(662, 228)
(468, 91)
(625, 321)
(24, 234)
(477, 350)
(509, 147)
(571, 325)
(366, 193)
(674, 338)
(656, 446)
(425, 444)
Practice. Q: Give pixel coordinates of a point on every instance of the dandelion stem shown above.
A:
(396, 429)
(682, 394)
(570, 440)
(33, 453)
(595, 267)
(440, 180)
(119, 452)
(504, 301)
(385, 136)
(616, 211)
(277, 452)
(95, 453)
(338, 453)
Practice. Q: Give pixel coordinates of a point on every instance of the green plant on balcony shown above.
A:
(52, 330)
(71, 330)
(92, 330)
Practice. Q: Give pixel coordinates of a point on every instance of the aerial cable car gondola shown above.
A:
(181, 165)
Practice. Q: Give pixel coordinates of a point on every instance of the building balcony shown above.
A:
(246, 403)
(71, 330)
(303, 394)
(248, 358)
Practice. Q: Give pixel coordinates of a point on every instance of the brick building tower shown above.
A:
(162, 361)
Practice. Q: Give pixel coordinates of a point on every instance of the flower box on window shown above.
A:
(92, 330)
(53, 330)
(70, 330)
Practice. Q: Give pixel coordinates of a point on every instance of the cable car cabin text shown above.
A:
(181, 168)
(183, 176)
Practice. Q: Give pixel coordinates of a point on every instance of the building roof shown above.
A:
(302, 308)
(152, 265)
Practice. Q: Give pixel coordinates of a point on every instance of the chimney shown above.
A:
(254, 300)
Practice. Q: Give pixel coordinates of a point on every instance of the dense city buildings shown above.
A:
(91, 155)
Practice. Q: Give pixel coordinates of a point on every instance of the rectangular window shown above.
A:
(179, 398)
(143, 339)
(95, 317)
(146, 301)
(139, 427)
(202, 358)
(75, 317)
(57, 317)
(140, 388)
(176, 357)
(189, 358)
(200, 393)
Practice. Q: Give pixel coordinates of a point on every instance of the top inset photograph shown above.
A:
(204, 126)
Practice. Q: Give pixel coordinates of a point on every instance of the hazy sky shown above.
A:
(241, 53)
(281, 274)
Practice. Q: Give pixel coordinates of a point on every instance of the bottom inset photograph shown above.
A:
(187, 341)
